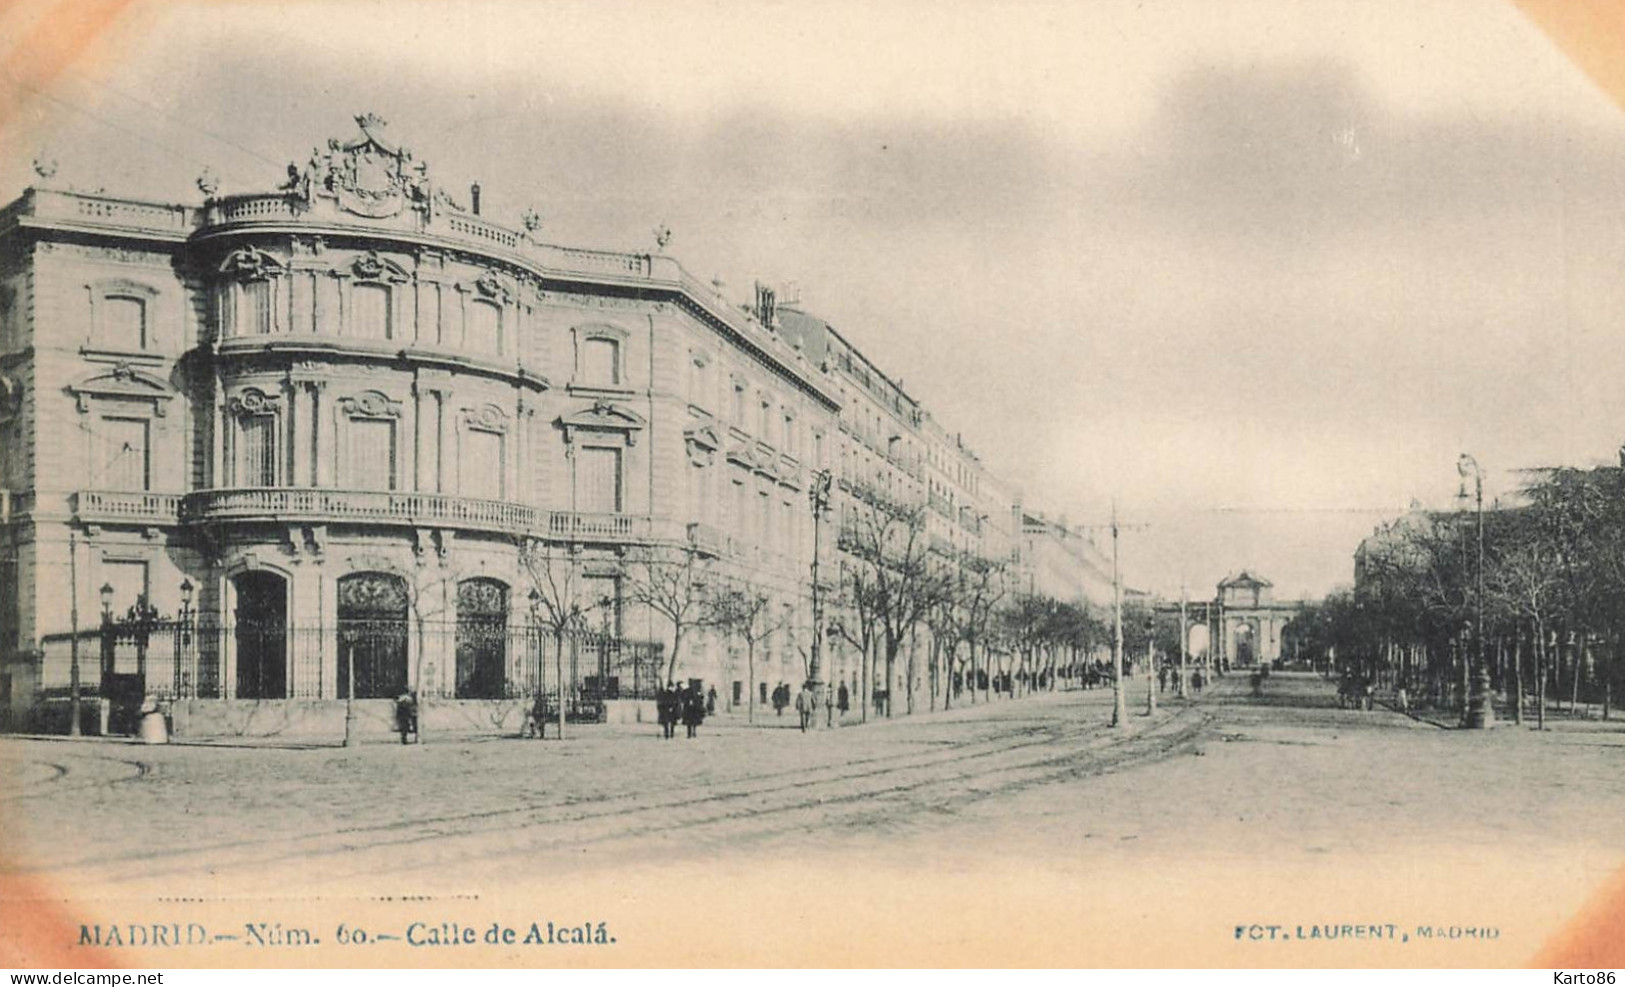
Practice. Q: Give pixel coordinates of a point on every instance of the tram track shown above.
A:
(881, 790)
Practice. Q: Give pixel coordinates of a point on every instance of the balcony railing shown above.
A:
(308, 504)
(408, 508)
(572, 526)
(138, 506)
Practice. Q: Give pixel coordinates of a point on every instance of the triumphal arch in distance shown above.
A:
(1248, 621)
(1244, 623)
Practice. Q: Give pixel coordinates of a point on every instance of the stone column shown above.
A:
(322, 434)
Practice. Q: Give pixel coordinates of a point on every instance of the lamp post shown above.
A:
(541, 660)
(1480, 711)
(74, 699)
(607, 605)
(106, 594)
(818, 496)
(183, 634)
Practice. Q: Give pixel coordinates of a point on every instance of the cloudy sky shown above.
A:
(1259, 271)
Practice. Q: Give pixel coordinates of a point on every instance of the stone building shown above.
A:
(340, 436)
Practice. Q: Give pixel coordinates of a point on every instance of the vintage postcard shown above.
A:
(1134, 483)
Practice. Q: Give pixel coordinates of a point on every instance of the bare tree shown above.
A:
(895, 580)
(677, 583)
(556, 602)
(747, 612)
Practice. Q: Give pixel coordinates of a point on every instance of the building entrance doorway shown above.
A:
(261, 635)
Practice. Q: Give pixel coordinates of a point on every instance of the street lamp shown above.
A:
(818, 496)
(107, 603)
(183, 632)
(1480, 712)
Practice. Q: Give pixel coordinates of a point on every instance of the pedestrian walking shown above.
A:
(806, 705)
(711, 701)
(406, 716)
(666, 710)
(1162, 679)
(536, 719)
(843, 700)
(693, 707)
(781, 699)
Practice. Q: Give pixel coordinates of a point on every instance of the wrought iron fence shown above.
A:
(482, 658)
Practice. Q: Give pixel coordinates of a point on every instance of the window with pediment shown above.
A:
(370, 435)
(484, 328)
(482, 456)
(598, 479)
(255, 439)
(248, 292)
(370, 310)
(126, 454)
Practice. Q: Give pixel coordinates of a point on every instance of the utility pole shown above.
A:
(1151, 665)
(1184, 639)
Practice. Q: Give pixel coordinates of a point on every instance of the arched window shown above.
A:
(482, 638)
(372, 613)
(260, 632)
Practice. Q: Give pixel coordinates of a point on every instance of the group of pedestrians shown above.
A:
(685, 704)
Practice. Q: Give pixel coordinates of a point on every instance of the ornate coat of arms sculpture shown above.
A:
(368, 176)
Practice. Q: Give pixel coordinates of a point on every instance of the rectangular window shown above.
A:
(257, 310)
(600, 362)
(598, 480)
(124, 322)
(372, 454)
(741, 513)
(699, 383)
(369, 311)
(765, 519)
(483, 468)
(256, 461)
(126, 457)
(696, 492)
(484, 331)
(739, 406)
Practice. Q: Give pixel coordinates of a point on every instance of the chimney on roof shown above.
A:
(766, 305)
(474, 198)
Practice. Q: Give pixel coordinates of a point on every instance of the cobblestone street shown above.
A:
(1282, 810)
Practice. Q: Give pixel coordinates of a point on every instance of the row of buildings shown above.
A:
(256, 448)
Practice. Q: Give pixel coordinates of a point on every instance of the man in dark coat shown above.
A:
(693, 707)
(666, 711)
(843, 699)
